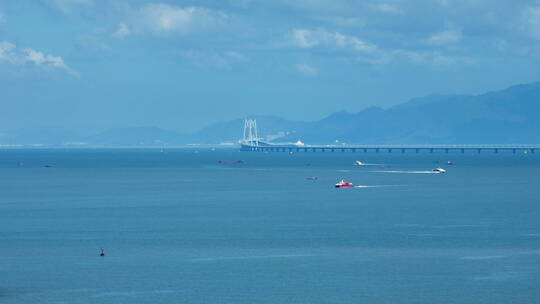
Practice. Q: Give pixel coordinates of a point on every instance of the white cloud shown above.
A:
(7, 52)
(122, 31)
(435, 59)
(531, 18)
(304, 38)
(388, 8)
(163, 19)
(93, 42)
(10, 53)
(236, 56)
(449, 36)
(306, 69)
(532, 51)
(206, 59)
(371, 54)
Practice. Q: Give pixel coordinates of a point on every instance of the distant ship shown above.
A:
(439, 170)
(230, 162)
(344, 184)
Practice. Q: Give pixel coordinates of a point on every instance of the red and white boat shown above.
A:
(344, 184)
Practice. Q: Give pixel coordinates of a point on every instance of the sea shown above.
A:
(208, 225)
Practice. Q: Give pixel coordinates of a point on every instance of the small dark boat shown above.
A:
(102, 253)
(231, 162)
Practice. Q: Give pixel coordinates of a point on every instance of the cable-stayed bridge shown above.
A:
(251, 142)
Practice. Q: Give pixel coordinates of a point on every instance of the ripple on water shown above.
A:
(500, 276)
(483, 257)
(250, 257)
(131, 293)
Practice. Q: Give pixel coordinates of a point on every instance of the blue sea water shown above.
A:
(179, 227)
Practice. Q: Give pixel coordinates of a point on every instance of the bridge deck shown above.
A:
(389, 148)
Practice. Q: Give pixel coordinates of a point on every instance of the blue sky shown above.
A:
(90, 65)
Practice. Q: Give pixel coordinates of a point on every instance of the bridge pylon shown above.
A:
(250, 132)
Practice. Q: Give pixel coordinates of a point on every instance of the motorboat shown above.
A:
(358, 163)
(312, 178)
(439, 170)
(344, 184)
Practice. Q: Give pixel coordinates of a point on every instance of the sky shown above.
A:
(90, 65)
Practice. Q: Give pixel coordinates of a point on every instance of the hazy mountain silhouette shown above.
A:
(40, 136)
(507, 116)
(268, 126)
(139, 136)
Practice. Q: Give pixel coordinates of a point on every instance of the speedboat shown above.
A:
(439, 170)
(449, 162)
(358, 163)
(344, 184)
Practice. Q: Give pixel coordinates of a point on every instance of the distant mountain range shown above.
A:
(507, 116)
